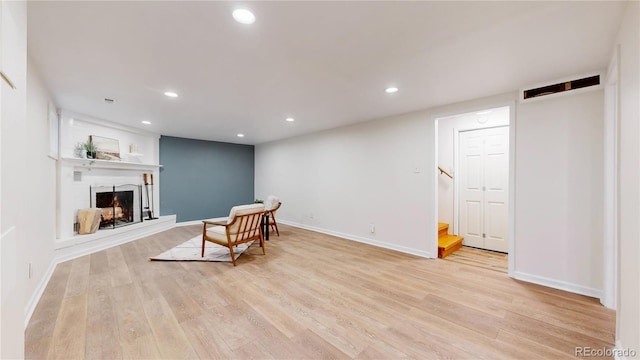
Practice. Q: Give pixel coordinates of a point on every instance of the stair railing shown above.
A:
(443, 171)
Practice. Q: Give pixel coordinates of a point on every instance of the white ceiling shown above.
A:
(324, 63)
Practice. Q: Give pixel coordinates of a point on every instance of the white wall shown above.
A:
(628, 312)
(559, 172)
(38, 186)
(15, 144)
(345, 179)
(28, 189)
(447, 128)
(352, 176)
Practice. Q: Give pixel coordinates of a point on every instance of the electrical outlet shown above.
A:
(310, 215)
(372, 228)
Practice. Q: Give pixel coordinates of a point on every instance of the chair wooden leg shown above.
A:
(275, 224)
(233, 257)
(204, 232)
(262, 245)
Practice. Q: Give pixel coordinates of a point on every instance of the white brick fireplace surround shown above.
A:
(76, 176)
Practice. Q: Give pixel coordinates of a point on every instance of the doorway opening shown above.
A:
(474, 187)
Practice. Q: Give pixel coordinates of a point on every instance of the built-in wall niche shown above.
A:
(122, 143)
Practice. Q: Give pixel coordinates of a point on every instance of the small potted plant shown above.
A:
(90, 147)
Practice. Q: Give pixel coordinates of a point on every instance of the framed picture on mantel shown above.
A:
(106, 149)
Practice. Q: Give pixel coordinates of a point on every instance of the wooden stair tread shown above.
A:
(447, 244)
(448, 241)
(443, 229)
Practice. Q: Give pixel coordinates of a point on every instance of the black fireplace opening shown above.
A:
(120, 205)
(116, 208)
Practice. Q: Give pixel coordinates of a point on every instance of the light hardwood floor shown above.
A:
(312, 296)
(480, 258)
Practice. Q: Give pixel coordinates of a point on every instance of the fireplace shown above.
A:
(120, 205)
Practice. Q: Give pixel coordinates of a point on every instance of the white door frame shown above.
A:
(512, 166)
(610, 248)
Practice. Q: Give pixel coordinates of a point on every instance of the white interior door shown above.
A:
(483, 181)
(471, 175)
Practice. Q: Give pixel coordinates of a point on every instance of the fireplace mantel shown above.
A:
(107, 164)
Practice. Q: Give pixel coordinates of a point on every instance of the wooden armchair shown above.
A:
(242, 226)
(272, 217)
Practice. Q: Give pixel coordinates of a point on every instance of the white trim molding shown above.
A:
(35, 298)
(611, 223)
(557, 284)
(406, 250)
(380, 244)
(78, 163)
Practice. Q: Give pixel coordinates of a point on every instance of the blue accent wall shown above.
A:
(204, 179)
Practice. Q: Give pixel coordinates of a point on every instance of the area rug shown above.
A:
(191, 249)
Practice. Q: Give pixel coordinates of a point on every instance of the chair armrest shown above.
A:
(274, 209)
(218, 223)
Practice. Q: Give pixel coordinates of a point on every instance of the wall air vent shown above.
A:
(563, 87)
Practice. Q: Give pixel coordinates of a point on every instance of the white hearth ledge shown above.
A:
(79, 245)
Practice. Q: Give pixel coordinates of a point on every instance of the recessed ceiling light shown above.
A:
(290, 119)
(244, 16)
(391, 90)
(146, 122)
(171, 94)
(240, 135)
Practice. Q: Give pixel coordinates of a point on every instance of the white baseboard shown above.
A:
(33, 302)
(403, 249)
(381, 244)
(118, 237)
(558, 284)
(189, 223)
(199, 222)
